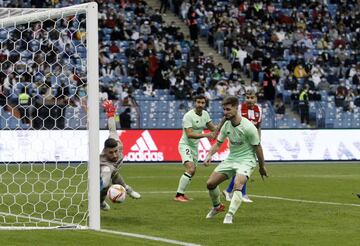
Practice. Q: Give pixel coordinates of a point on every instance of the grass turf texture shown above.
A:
(264, 222)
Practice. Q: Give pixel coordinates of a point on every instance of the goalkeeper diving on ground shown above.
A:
(111, 159)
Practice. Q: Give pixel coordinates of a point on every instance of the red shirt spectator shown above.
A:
(153, 65)
(114, 48)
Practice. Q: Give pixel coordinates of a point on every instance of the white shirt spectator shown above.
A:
(135, 35)
(241, 54)
(316, 73)
(352, 71)
(235, 89)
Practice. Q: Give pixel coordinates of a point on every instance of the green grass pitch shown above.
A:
(267, 221)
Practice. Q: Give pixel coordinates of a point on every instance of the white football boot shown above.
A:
(246, 199)
(228, 219)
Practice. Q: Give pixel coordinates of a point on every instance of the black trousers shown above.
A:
(304, 112)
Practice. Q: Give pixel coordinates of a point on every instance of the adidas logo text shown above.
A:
(144, 149)
(203, 149)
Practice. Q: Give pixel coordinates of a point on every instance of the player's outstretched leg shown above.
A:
(184, 182)
(105, 182)
(234, 205)
(217, 205)
(103, 205)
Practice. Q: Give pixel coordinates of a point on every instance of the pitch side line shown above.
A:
(266, 197)
(141, 236)
(306, 201)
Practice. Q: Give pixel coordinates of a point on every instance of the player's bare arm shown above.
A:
(260, 157)
(191, 134)
(221, 123)
(212, 151)
(259, 129)
(213, 129)
(216, 128)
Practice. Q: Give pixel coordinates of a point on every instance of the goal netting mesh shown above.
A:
(45, 117)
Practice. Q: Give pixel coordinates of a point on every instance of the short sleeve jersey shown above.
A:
(197, 123)
(242, 139)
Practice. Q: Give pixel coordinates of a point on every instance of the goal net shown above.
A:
(49, 118)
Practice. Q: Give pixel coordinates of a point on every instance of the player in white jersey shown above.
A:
(251, 111)
(111, 160)
(244, 145)
(194, 122)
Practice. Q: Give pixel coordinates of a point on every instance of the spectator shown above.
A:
(192, 23)
(24, 105)
(221, 89)
(304, 104)
(163, 6)
(114, 48)
(290, 83)
(316, 74)
(299, 72)
(340, 95)
(125, 119)
(219, 40)
(323, 85)
(269, 85)
(279, 108)
(349, 102)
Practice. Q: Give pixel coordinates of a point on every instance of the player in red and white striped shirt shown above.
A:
(252, 111)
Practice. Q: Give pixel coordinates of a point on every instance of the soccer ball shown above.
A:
(117, 193)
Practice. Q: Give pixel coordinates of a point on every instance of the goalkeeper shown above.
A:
(111, 160)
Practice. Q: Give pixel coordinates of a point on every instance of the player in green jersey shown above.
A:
(194, 122)
(244, 145)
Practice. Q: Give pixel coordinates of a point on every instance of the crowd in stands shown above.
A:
(276, 48)
(287, 45)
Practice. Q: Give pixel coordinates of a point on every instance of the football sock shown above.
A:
(243, 190)
(184, 181)
(103, 194)
(231, 185)
(235, 202)
(215, 196)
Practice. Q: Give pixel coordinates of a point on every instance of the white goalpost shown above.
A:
(49, 119)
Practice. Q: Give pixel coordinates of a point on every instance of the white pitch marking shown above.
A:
(266, 197)
(141, 236)
(306, 201)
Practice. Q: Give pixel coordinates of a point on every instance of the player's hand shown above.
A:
(207, 161)
(212, 135)
(109, 108)
(263, 172)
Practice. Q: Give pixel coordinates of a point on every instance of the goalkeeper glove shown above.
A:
(109, 108)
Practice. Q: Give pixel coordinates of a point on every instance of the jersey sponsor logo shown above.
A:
(144, 149)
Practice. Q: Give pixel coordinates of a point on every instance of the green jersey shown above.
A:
(197, 123)
(241, 140)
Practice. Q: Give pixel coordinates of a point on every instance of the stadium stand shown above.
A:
(150, 66)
